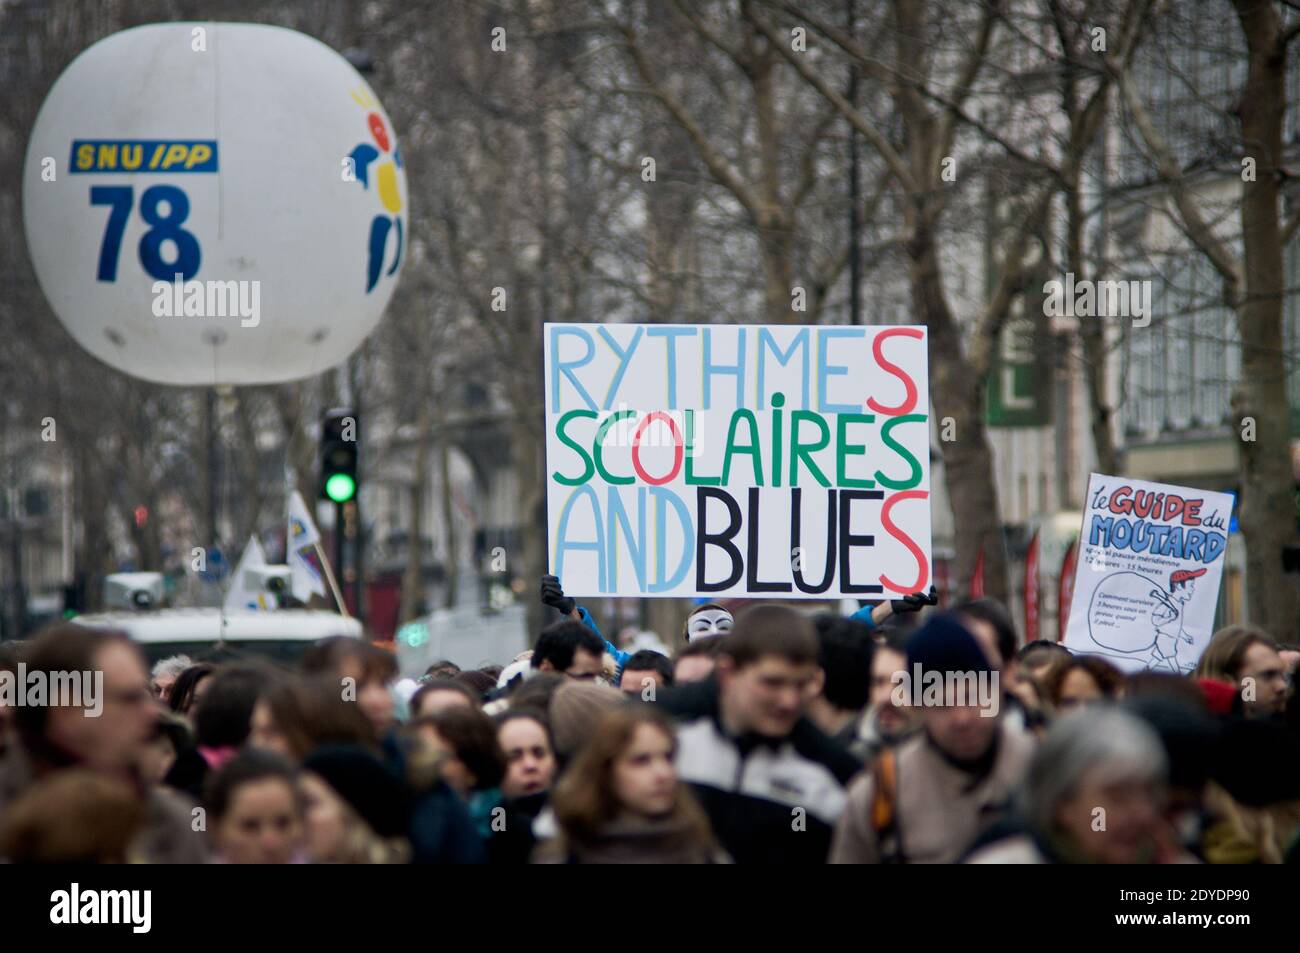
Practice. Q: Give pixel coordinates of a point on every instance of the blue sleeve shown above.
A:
(619, 656)
(863, 615)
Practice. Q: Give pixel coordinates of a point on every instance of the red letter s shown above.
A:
(923, 575)
(909, 401)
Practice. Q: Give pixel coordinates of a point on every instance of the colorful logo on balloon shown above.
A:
(377, 161)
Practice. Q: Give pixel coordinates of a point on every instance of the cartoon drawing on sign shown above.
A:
(1119, 601)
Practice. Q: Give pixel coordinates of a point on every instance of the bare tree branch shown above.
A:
(873, 135)
(718, 165)
(966, 78)
(1193, 222)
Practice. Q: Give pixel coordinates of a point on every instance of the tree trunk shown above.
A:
(778, 275)
(412, 598)
(529, 466)
(208, 476)
(957, 388)
(252, 495)
(1268, 509)
(452, 577)
(93, 554)
(300, 453)
(1092, 334)
(775, 227)
(968, 459)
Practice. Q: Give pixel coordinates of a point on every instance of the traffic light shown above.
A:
(338, 456)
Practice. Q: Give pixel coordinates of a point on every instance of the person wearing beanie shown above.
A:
(945, 644)
(357, 811)
(575, 712)
(927, 800)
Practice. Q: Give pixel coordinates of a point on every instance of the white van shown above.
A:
(281, 636)
(466, 635)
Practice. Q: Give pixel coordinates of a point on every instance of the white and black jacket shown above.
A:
(770, 800)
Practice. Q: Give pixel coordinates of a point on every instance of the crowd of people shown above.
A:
(773, 736)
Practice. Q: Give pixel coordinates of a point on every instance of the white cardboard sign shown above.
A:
(1147, 577)
(781, 462)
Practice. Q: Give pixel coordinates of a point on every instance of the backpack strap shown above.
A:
(884, 803)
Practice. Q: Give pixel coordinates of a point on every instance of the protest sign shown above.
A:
(738, 460)
(1147, 577)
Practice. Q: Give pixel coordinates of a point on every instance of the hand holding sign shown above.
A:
(915, 602)
(553, 596)
(904, 606)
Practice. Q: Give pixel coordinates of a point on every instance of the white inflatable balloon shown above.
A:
(217, 203)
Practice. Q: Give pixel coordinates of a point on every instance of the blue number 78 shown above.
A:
(163, 228)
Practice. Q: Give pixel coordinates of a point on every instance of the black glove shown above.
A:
(553, 596)
(915, 602)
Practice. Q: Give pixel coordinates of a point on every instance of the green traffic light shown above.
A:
(340, 487)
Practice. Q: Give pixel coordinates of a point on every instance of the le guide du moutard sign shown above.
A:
(1147, 578)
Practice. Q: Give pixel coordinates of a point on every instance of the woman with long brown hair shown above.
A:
(621, 802)
(294, 716)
